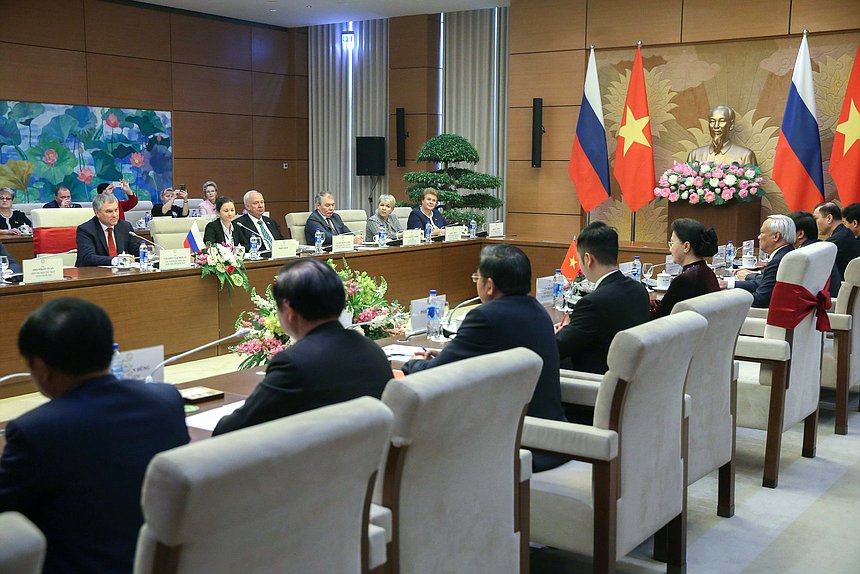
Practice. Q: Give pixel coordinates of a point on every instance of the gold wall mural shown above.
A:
(685, 81)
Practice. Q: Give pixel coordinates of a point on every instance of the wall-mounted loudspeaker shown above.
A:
(537, 131)
(370, 155)
(402, 134)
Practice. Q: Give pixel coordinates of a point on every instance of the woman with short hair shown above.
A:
(210, 195)
(384, 218)
(11, 220)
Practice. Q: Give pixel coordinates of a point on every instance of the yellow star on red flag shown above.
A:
(850, 128)
(633, 130)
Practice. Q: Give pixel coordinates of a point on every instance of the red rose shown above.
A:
(230, 269)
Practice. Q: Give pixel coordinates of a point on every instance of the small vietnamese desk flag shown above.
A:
(797, 164)
(589, 158)
(634, 156)
(845, 157)
(570, 265)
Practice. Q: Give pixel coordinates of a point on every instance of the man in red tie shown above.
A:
(104, 237)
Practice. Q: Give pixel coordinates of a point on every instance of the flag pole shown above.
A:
(633, 214)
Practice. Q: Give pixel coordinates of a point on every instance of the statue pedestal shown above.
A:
(735, 220)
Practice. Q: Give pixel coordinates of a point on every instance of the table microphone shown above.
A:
(255, 232)
(13, 376)
(146, 240)
(164, 363)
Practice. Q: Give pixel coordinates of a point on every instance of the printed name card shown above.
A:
(342, 243)
(626, 268)
(454, 233)
(496, 230)
(412, 237)
(43, 269)
(672, 268)
(169, 259)
(282, 248)
(418, 311)
(543, 289)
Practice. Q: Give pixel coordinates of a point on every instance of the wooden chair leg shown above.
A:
(676, 544)
(661, 542)
(810, 434)
(726, 486)
(524, 518)
(841, 341)
(605, 480)
(775, 419)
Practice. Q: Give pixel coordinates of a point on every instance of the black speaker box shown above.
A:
(401, 137)
(370, 155)
(537, 131)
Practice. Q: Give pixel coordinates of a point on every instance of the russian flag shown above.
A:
(589, 159)
(193, 241)
(797, 166)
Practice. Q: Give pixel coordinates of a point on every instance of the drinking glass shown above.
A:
(4, 265)
(647, 271)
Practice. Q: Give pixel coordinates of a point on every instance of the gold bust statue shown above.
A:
(721, 148)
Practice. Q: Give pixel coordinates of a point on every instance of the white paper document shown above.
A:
(401, 352)
(208, 419)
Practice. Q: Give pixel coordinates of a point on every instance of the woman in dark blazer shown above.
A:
(427, 213)
(222, 230)
(689, 246)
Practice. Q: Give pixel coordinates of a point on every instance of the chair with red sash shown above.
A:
(786, 390)
(54, 231)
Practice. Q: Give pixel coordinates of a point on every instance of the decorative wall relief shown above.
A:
(45, 145)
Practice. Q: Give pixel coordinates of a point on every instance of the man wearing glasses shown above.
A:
(508, 318)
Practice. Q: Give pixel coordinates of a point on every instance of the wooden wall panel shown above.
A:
(547, 26)
(13, 317)
(557, 77)
(210, 42)
(279, 95)
(117, 81)
(36, 74)
(421, 35)
(275, 182)
(271, 50)
(49, 23)
(624, 22)
(560, 126)
(545, 189)
(233, 176)
(531, 226)
(301, 150)
(704, 19)
(123, 30)
(299, 43)
(207, 89)
(820, 16)
(275, 138)
(415, 89)
(211, 136)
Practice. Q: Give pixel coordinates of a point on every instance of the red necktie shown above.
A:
(111, 242)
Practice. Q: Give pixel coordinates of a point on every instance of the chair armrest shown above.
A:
(736, 370)
(753, 327)
(840, 321)
(688, 404)
(581, 375)
(381, 516)
(576, 440)
(525, 465)
(756, 313)
(579, 392)
(753, 348)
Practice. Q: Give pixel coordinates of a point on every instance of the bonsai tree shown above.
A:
(451, 151)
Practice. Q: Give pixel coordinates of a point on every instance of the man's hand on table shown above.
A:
(427, 353)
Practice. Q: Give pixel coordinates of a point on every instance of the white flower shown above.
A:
(730, 179)
(749, 174)
(220, 267)
(704, 168)
(685, 195)
(689, 182)
(673, 179)
(714, 182)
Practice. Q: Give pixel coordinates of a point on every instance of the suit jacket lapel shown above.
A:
(100, 236)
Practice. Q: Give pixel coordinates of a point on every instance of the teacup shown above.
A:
(663, 280)
(749, 261)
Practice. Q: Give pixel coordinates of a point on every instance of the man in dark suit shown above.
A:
(324, 219)
(75, 465)
(617, 303)
(101, 239)
(326, 365)
(828, 217)
(508, 318)
(62, 198)
(13, 265)
(776, 237)
(253, 222)
(807, 234)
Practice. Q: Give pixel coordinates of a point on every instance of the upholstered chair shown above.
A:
(626, 480)
(453, 468)
(22, 545)
(55, 231)
(355, 219)
(170, 232)
(785, 389)
(296, 224)
(287, 496)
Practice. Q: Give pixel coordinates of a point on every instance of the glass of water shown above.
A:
(647, 271)
(4, 265)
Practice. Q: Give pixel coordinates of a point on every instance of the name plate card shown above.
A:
(169, 259)
(43, 269)
(672, 268)
(748, 247)
(543, 289)
(496, 230)
(454, 233)
(412, 237)
(418, 311)
(342, 243)
(283, 248)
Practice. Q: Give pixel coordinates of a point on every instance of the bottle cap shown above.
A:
(432, 291)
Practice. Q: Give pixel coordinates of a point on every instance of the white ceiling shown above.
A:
(293, 13)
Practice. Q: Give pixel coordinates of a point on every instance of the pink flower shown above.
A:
(722, 184)
(698, 182)
(657, 192)
(112, 121)
(694, 198)
(743, 184)
(664, 192)
(727, 194)
(710, 197)
(158, 138)
(673, 196)
(86, 175)
(51, 156)
(743, 192)
(717, 173)
(137, 159)
(682, 187)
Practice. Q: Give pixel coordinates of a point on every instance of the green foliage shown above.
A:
(448, 148)
(53, 161)
(25, 112)
(464, 216)
(60, 127)
(430, 179)
(480, 201)
(474, 180)
(9, 133)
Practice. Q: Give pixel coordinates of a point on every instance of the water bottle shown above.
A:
(319, 237)
(428, 233)
(730, 257)
(434, 319)
(637, 269)
(473, 229)
(147, 217)
(558, 290)
(143, 257)
(116, 363)
(255, 247)
(380, 237)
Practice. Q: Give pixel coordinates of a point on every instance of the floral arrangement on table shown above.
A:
(709, 182)
(266, 337)
(365, 299)
(225, 263)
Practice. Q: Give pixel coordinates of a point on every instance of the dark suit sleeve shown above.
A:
(23, 480)
(274, 228)
(474, 338)
(414, 221)
(313, 225)
(761, 287)
(339, 225)
(210, 232)
(578, 336)
(87, 252)
(279, 394)
(132, 243)
(13, 265)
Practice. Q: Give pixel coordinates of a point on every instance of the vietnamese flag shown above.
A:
(845, 157)
(634, 156)
(570, 265)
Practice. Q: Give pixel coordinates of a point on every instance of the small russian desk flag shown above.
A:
(193, 241)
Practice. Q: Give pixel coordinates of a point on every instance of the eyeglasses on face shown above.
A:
(475, 277)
